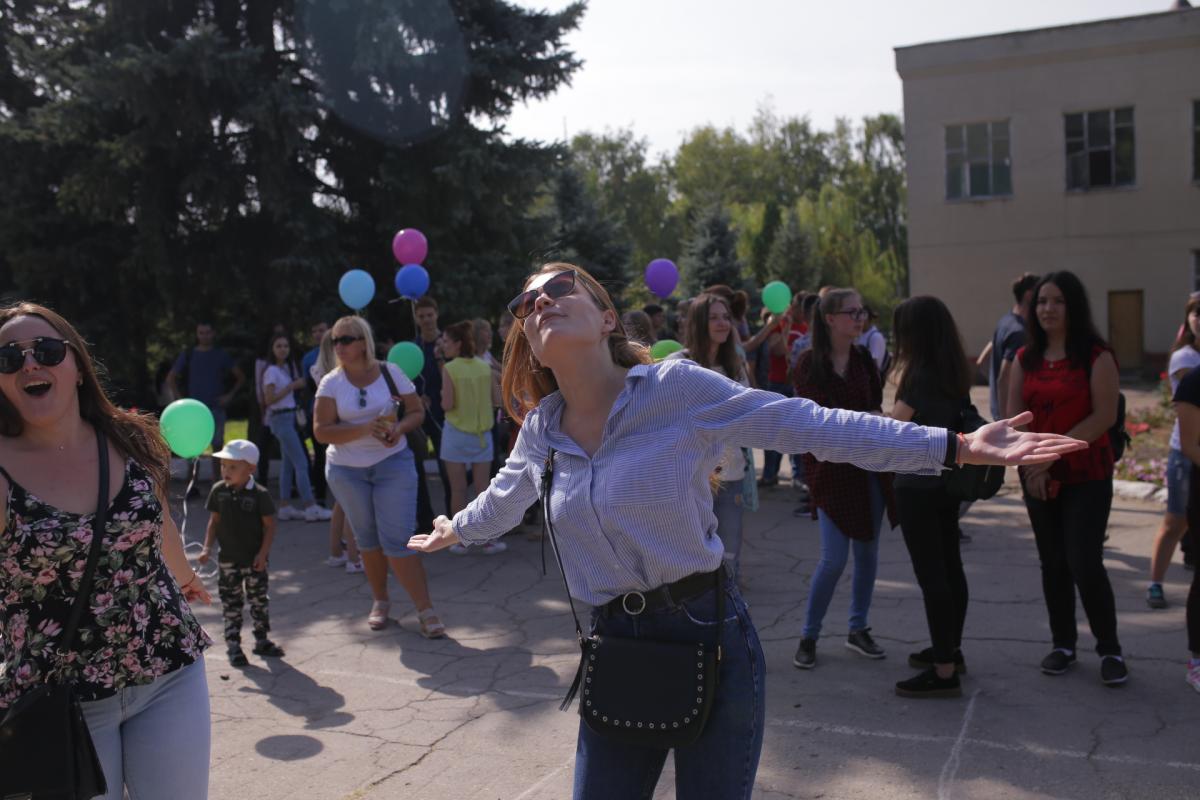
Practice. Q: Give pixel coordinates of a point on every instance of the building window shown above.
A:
(1100, 148)
(1196, 140)
(977, 160)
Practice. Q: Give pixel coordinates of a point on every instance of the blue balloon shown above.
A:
(356, 288)
(412, 281)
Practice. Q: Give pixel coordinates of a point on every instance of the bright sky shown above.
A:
(664, 67)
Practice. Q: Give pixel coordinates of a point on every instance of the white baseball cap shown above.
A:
(239, 450)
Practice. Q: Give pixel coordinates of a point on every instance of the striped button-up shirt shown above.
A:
(639, 512)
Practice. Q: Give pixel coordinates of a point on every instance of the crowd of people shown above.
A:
(575, 394)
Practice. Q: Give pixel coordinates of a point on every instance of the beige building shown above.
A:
(1063, 148)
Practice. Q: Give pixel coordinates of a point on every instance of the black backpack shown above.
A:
(973, 481)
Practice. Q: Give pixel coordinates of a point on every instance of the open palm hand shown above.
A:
(1001, 443)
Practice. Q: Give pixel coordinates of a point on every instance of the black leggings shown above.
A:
(1193, 601)
(1069, 531)
(929, 522)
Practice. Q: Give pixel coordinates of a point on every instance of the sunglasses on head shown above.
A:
(346, 341)
(47, 352)
(560, 285)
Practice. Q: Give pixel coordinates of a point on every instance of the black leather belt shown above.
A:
(634, 603)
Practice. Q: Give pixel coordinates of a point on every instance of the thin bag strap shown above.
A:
(99, 523)
(387, 376)
(548, 530)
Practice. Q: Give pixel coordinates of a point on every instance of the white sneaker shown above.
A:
(316, 513)
(492, 548)
(335, 561)
(289, 512)
(353, 567)
(459, 549)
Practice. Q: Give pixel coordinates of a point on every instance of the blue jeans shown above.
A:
(380, 502)
(835, 549)
(727, 505)
(722, 763)
(295, 458)
(154, 739)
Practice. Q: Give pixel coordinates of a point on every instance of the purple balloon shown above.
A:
(409, 246)
(661, 276)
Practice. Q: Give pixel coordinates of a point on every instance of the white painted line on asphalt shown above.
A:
(545, 780)
(821, 727)
(950, 768)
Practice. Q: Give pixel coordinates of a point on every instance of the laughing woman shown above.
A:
(633, 445)
(137, 663)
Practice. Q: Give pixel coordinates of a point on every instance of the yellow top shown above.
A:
(472, 412)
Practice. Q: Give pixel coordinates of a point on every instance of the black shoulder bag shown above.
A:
(973, 481)
(646, 693)
(46, 750)
(417, 439)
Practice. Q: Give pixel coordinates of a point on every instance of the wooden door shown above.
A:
(1125, 328)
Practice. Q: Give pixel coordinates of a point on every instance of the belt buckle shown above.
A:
(625, 603)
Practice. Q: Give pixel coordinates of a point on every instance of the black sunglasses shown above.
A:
(47, 352)
(560, 285)
(346, 341)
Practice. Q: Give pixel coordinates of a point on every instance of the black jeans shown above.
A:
(929, 522)
(316, 467)
(1069, 531)
(425, 513)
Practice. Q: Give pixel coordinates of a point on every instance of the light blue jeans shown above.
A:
(380, 502)
(153, 740)
(295, 458)
(727, 505)
(835, 550)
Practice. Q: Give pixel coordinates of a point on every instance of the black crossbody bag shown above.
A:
(647, 693)
(418, 440)
(46, 750)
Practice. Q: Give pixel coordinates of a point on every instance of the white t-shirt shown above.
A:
(874, 340)
(278, 377)
(1185, 358)
(366, 451)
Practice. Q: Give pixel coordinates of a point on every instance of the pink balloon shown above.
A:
(409, 246)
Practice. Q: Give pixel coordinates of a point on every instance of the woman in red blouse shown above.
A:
(837, 373)
(1066, 376)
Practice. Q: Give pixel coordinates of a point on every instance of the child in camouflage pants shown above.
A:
(242, 522)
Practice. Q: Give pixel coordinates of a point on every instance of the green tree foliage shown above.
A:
(585, 235)
(792, 258)
(229, 159)
(710, 254)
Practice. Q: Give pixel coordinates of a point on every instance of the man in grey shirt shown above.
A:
(1007, 340)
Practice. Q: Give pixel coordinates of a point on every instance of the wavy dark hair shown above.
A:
(1186, 338)
(929, 349)
(135, 435)
(292, 365)
(698, 341)
(833, 301)
(1081, 331)
(524, 381)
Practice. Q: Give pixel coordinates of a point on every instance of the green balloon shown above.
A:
(776, 296)
(188, 427)
(664, 347)
(408, 357)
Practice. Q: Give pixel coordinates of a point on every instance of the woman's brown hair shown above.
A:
(463, 333)
(135, 435)
(1186, 337)
(524, 381)
(698, 341)
(832, 301)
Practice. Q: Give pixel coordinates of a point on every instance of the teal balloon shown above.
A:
(188, 427)
(408, 357)
(356, 288)
(776, 296)
(664, 347)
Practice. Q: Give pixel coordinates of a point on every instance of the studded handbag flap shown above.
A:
(639, 691)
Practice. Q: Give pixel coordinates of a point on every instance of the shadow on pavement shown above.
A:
(296, 694)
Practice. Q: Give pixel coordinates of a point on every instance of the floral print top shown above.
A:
(137, 626)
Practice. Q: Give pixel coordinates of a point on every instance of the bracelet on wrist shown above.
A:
(962, 448)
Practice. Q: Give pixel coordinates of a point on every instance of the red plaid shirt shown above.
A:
(841, 490)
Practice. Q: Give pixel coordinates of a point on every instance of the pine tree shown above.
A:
(585, 236)
(710, 253)
(791, 259)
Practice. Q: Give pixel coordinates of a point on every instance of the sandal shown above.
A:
(377, 620)
(431, 626)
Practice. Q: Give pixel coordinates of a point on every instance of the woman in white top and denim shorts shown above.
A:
(632, 507)
(370, 468)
